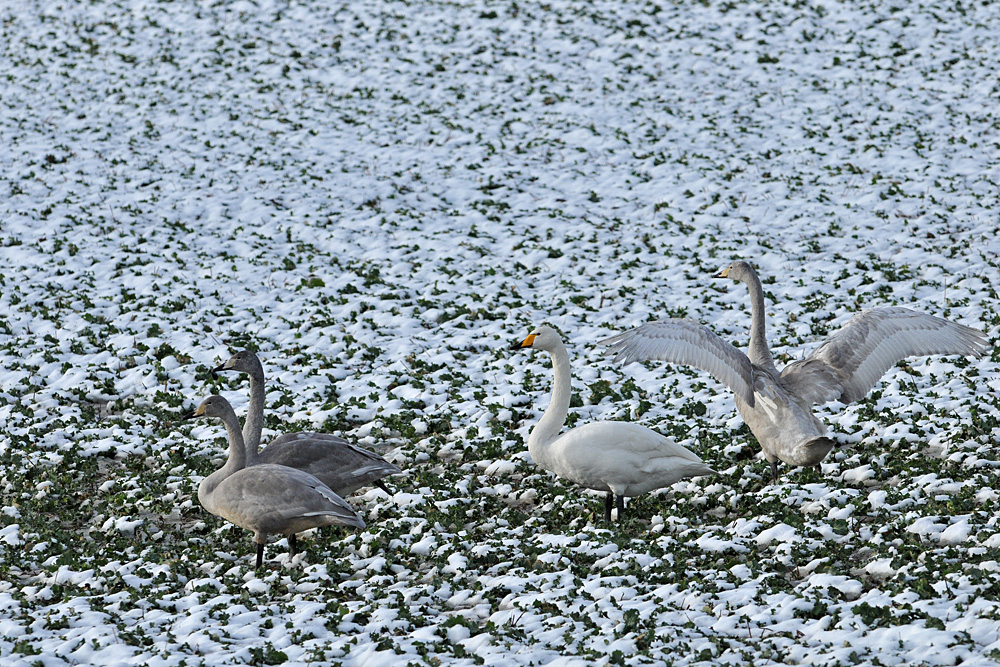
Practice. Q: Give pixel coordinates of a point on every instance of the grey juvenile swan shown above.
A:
(342, 466)
(778, 406)
(266, 498)
(619, 458)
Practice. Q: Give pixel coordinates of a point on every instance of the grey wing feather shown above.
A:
(341, 465)
(849, 363)
(681, 341)
(273, 497)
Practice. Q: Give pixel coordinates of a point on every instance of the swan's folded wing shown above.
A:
(341, 465)
(299, 448)
(686, 342)
(274, 497)
(849, 363)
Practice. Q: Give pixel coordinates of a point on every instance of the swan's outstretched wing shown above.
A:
(849, 363)
(686, 342)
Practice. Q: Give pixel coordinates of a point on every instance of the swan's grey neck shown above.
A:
(237, 461)
(237, 449)
(254, 424)
(759, 353)
(548, 427)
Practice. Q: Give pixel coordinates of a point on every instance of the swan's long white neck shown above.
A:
(548, 427)
(759, 352)
(254, 424)
(237, 461)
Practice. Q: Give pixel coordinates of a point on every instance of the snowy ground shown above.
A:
(380, 196)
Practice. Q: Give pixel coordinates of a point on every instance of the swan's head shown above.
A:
(213, 406)
(738, 270)
(243, 361)
(542, 338)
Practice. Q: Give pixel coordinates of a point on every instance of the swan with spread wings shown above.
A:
(777, 405)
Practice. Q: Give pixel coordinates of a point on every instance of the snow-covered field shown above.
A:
(380, 196)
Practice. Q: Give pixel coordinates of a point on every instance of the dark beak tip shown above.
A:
(189, 415)
(516, 345)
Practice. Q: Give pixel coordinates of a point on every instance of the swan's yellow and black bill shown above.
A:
(724, 273)
(527, 342)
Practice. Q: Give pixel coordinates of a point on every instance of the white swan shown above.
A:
(266, 498)
(339, 464)
(620, 458)
(778, 406)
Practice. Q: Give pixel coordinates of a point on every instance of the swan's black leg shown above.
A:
(382, 486)
(292, 544)
(774, 471)
(620, 506)
(260, 554)
(608, 501)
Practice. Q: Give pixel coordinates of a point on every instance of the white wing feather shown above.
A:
(680, 341)
(849, 363)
